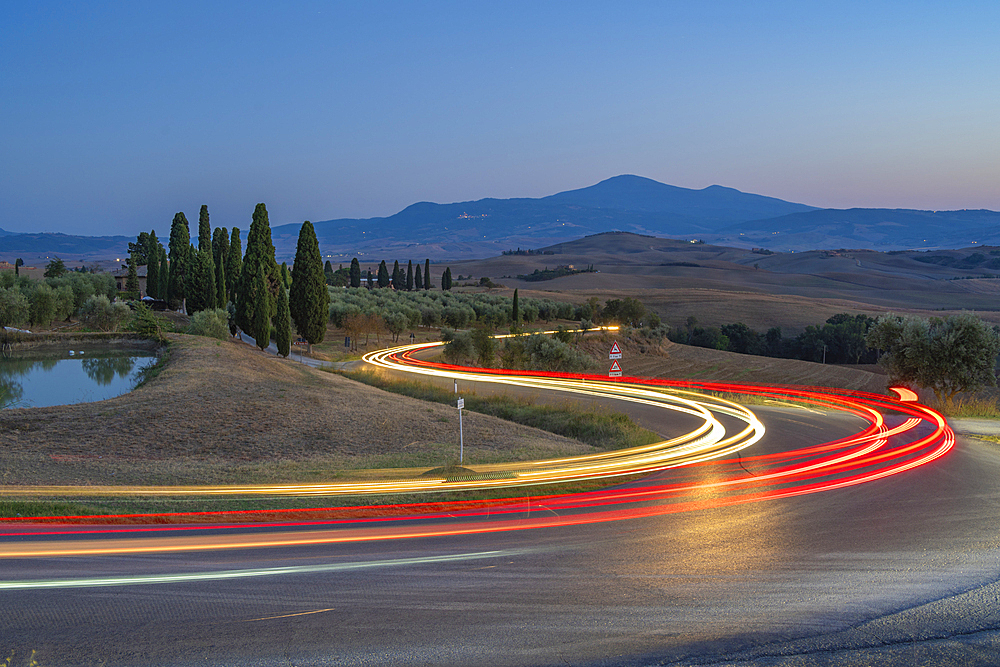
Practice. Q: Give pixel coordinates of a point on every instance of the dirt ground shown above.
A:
(224, 412)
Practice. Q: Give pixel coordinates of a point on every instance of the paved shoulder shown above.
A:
(975, 426)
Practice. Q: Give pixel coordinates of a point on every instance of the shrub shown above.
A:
(512, 354)
(213, 322)
(14, 307)
(485, 345)
(43, 305)
(99, 313)
(550, 354)
(460, 348)
(145, 323)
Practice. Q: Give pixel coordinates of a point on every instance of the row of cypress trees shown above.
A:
(217, 273)
(400, 279)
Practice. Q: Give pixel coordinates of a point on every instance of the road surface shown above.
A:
(898, 570)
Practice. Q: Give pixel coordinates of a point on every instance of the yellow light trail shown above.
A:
(704, 443)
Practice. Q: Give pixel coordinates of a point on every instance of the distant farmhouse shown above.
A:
(121, 275)
(34, 272)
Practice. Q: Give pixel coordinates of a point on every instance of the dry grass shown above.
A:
(684, 362)
(227, 413)
(789, 290)
(975, 407)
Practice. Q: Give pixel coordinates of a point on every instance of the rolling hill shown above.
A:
(716, 214)
(487, 227)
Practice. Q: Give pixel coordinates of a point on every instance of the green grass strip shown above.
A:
(604, 429)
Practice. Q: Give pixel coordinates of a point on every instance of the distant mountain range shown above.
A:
(66, 246)
(487, 227)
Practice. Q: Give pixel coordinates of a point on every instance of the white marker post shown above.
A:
(461, 439)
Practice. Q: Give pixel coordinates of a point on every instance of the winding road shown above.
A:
(815, 527)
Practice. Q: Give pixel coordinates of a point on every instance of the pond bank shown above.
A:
(18, 341)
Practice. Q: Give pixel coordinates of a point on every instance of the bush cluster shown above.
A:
(24, 301)
(213, 322)
(100, 313)
(841, 340)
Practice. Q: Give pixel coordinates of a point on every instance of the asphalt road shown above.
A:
(900, 571)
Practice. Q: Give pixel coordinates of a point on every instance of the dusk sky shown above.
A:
(117, 115)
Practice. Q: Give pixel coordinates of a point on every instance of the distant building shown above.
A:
(121, 275)
(34, 272)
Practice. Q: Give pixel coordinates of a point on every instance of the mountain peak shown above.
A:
(715, 203)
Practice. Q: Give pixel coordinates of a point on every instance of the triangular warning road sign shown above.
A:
(616, 352)
(615, 368)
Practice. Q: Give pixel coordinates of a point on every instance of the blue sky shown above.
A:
(116, 115)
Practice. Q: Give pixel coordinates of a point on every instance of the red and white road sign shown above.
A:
(616, 352)
(616, 370)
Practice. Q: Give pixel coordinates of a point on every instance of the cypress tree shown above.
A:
(446, 279)
(409, 275)
(369, 278)
(355, 273)
(220, 253)
(282, 325)
(132, 280)
(220, 245)
(383, 275)
(327, 271)
(204, 230)
(427, 274)
(515, 313)
(260, 253)
(397, 279)
(153, 266)
(201, 281)
(234, 263)
(164, 274)
(309, 300)
(202, 292)
(286, 279)
(418, 278)
(220, 285)
(180, 247)
(258, 305)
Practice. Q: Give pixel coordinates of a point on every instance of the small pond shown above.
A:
(83, 375)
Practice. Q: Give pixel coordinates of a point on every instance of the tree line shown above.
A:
(948, 355)
(840, 340)
(59, 296)
(408, 279)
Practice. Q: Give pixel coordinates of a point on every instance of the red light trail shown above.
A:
(695, 472)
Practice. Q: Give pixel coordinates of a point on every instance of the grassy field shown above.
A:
(603, 429)
(225, 413)
(720, 285)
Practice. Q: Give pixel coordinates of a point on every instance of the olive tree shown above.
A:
(946, 355)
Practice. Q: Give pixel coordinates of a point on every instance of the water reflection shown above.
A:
(61, 379)
(103, 371)
(10, 393)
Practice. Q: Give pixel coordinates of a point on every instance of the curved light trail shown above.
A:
(696, 470)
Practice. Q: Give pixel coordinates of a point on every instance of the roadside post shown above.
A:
(461, 439)
(614, 356)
